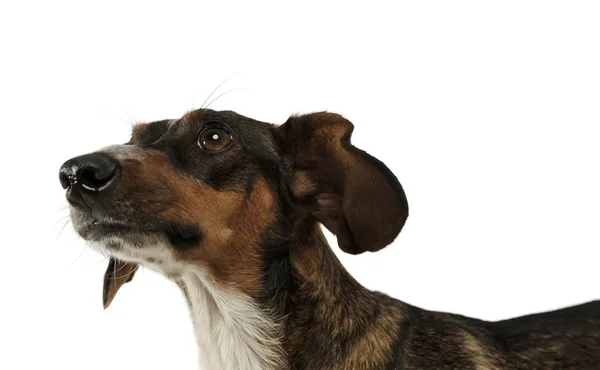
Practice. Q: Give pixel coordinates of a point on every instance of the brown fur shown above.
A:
(359, 327)
(233, 225)
(117, 274)
(234, 260)
(139, 129)
(250, 215)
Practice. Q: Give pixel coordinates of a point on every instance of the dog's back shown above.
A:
(568, 338)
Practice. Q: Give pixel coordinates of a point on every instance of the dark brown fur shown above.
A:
(251, 216)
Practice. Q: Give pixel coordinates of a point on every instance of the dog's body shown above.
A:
(229, 208)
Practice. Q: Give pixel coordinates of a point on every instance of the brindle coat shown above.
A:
(249, 212)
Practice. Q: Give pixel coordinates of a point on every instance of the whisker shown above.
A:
(211, 94)
(228, 91)
(61, 220)
(104, 259)
(63, 228)
(120, 268)
(125, 276)
(131, 119)
(128, 122)
(78, 257)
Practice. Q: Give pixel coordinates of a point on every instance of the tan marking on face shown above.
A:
(232, 224)
(234, 257)
(191, 201)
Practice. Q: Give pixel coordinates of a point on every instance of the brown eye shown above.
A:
(214, 139)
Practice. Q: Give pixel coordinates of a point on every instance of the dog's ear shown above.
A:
(351, 193)
(117, 274)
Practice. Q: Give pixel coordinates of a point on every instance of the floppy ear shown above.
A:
(351, 193)
(117, 274)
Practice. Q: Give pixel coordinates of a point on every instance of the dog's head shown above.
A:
(224, 192)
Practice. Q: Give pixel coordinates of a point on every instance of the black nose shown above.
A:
(88, 176)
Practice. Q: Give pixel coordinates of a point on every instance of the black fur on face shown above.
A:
(251, 153)
(243, 200)
(139, 203)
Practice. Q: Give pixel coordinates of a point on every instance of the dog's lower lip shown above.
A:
(180, 236)
(113, 227)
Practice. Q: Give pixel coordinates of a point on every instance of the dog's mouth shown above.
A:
(179, 235)
(104, 231)
(97, 229)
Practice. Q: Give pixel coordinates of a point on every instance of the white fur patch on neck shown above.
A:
(232, 332)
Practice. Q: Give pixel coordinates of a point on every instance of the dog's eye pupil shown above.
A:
(214, 138)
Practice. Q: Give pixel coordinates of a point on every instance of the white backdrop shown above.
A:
(488, 113)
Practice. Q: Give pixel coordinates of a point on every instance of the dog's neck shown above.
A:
(311, 309)
(232, 331)
(330, 312)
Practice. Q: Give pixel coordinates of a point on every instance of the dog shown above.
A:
(231, 209)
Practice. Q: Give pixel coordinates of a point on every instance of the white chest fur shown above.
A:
(232, 332)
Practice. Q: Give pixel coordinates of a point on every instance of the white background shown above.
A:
(488, 112)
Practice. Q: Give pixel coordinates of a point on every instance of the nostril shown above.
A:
(64, 180)
(93, 179)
